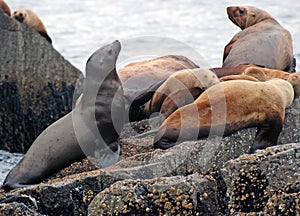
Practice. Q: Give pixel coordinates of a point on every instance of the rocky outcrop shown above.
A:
(36, 85)
(236, 183)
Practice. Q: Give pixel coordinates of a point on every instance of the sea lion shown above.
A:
(181, 80)
(30, 18)
(141, 79)
(58, 145)
(248, 104)
(262, 41)
(4, 7)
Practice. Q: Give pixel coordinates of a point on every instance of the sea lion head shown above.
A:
(256, 72)
(20, 15)
(294, 79)
(104, 58)
(246, 16)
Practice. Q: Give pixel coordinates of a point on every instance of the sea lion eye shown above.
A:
(242, 12)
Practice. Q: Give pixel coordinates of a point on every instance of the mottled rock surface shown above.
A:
(253, 179)
(36, 85)
(191, 195)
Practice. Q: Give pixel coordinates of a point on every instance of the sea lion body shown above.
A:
(58, 145)
(30, 18)
(262, 41)
(248, 104)
(5, 7)
(181, 80)
(141, 79)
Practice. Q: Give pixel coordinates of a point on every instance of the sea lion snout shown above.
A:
(19, 16)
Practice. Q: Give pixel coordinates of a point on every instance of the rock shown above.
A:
(67, 196)
(36, 85)
(270, 170)
(252, 179)
(191, 195)
(15, 208)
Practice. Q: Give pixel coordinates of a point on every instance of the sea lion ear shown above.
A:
(251, 16)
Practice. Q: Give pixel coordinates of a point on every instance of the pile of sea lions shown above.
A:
(253, 88)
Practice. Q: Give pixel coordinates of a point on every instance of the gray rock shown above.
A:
(36, 85)
(191, 195)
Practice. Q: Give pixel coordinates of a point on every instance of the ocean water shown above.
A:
(78, 28)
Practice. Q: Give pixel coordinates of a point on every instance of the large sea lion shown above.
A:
(4, 7)
(57, 146)
(248, 104)
(141, 79)
(30, 18)
(262, 41)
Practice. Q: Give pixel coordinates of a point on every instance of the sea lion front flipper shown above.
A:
(136, 110)
(267, 134)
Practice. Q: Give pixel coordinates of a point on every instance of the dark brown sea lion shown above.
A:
(30, 18)
(262, 41)
(141, 79)
(59, 145)
(248, 104)
(4, 7)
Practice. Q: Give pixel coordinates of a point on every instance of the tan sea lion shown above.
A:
(262, 41)
(181, 80)
(4, 7)
(248, 104)
(30, 18)
(71, 138)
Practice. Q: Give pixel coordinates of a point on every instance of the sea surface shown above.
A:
(78, 28)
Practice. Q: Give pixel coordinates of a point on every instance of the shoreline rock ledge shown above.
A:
(205, 177)
(36, 85)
